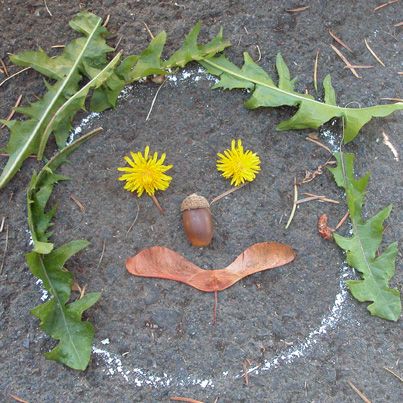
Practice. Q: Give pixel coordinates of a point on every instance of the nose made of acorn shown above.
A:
(197, 220)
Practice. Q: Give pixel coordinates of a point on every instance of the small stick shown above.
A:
(106, 20)
(260, 53)
(154, 199)
(297, 10)
(393, 373)
(294, 205)
(358, 66)
(359, 393)
(13, 75)
(78, 202)
(399, 24)
(2, 224)
(393, 99)
(342, 221)
(5, 252)
(58, 46)
(374, 54)
(18, 399)
(154, 99)
(102, 254)
(215, 307)
(317, 142)
(4, 68)
(184, 399)
(385, 4)
(246, 30)
(227, 192)
(391, 147)
(148, 30)
(347, 63)
(47, 8)
(135, 218)
(315, 71)
(339, 41)
(11, 114)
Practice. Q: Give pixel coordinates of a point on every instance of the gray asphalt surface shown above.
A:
(154, 339)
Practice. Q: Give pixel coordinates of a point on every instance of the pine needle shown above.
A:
(13, 75)
(374, 54)
(393, 99)
(315, 72)
(184, 399)
(317, 142)
(227, 192)
(106, 20)
(154, 99)
(359, 393)
(339, 41)
(385, 4)
(11, 114)
(47, 8)
(3, 260)
(297, 10)
(78, 202)
(6, 73)
(393, 373)
(294, 205)
(347, 63)
(148, 30)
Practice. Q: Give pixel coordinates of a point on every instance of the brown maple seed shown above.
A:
(197, 220)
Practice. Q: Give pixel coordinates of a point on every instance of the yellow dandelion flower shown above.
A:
(238, 165)
(145, 173)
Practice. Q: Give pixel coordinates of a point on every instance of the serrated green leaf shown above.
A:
(192, 51)
(75, 103)
(311, 113)
(362, 247)
(59, 319)
(84, 56)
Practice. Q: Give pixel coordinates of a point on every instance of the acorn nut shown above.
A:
(197, 220)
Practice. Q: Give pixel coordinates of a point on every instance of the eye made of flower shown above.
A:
(146, 174)
(238, 165)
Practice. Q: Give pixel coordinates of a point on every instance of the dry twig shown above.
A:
(13, 75)
(78, 202)
(2, 224)
(246, 365)
(359, 393)
(154, 99)
(374, 54)
(385, 4)
(11, 114)
(399, 24)
(58, 46)
(347, 63)
(339, 41)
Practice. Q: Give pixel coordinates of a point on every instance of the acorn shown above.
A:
(197, 220)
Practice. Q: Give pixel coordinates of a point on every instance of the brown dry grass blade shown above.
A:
(164, 263)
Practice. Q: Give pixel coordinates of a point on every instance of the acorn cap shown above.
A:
(194, 201)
